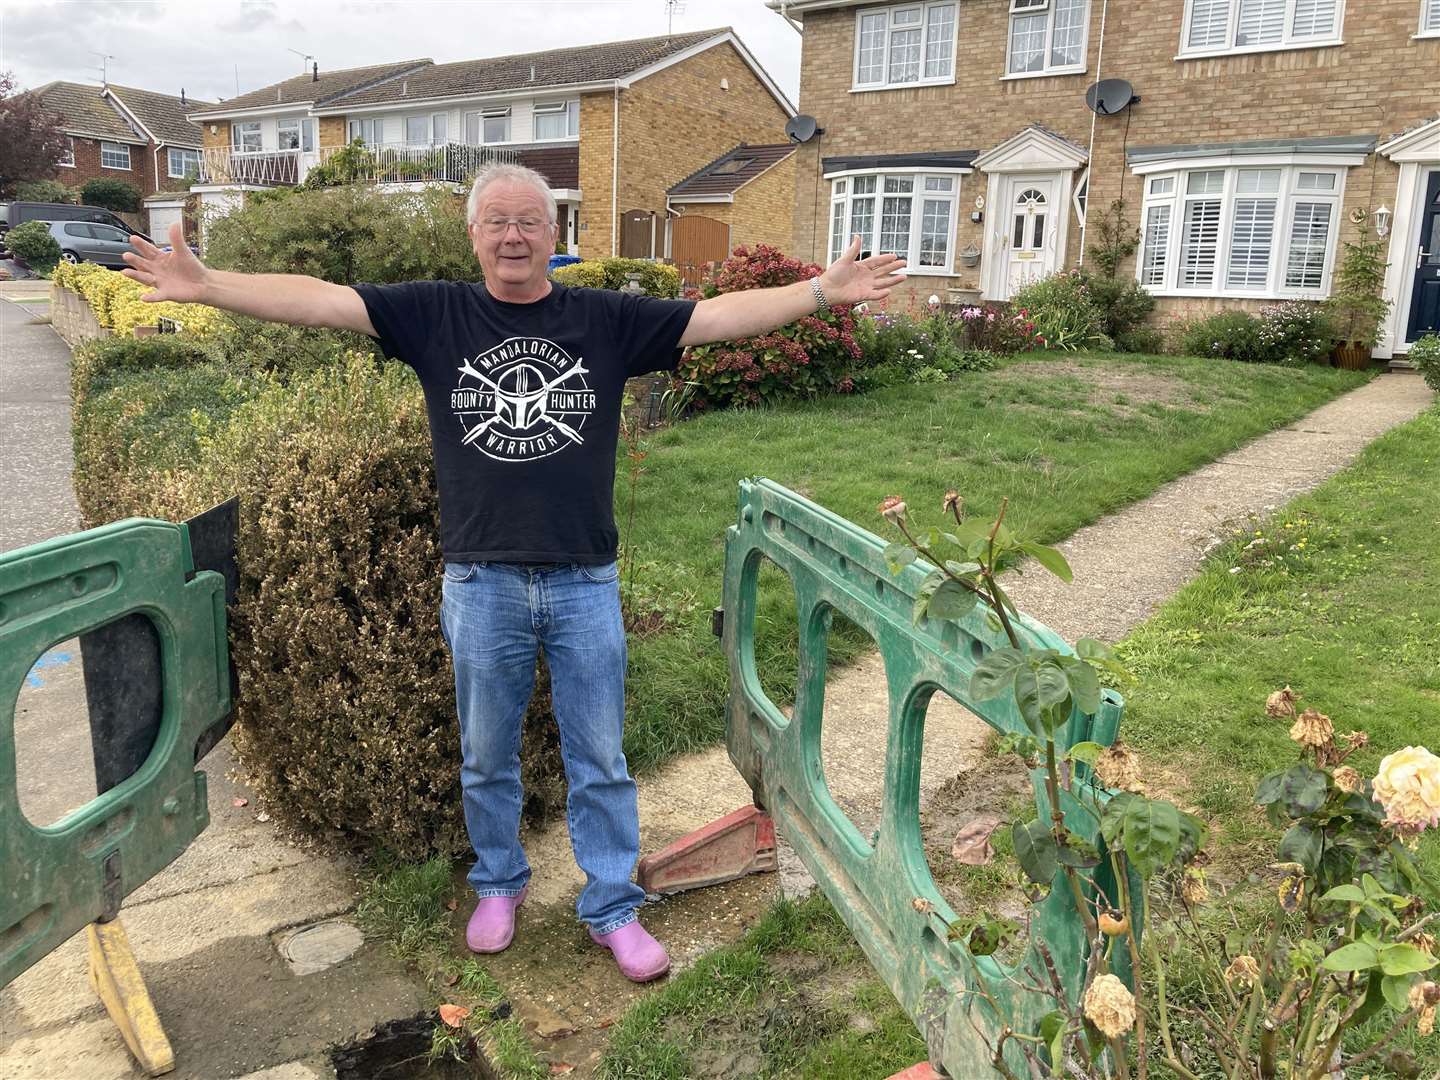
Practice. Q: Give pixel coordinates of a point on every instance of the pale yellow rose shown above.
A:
(1348, 779)
(1408, 786)
(1110, 1006)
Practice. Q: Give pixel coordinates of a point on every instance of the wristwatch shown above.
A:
(821, 302)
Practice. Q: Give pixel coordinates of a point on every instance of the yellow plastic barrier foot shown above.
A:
(117, 981)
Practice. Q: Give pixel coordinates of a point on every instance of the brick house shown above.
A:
(1262, 130)
(611, 126)
(744, 197)
(123, 133)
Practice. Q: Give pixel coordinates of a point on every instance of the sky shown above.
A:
(205, 46)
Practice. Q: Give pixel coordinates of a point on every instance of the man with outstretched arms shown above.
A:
(523, 381)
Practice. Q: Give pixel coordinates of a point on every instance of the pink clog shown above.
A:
(492, 927)
(640, 956)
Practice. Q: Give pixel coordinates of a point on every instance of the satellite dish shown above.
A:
(1110, 96)
(802, 128)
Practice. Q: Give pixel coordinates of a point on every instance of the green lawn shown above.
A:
(1068, 439)
(1336, 595)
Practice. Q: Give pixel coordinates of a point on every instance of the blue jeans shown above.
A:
(494, 616)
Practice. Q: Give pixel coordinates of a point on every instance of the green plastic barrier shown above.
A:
(56, 879)
(838, 567)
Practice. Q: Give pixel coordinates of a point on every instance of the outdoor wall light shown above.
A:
(1382, 221)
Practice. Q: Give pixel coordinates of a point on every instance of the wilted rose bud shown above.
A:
(1424, 942)
(892, 508)
(1243, 971)
(1281, 703)
(1192, 887)
(952, 501)
(1430, 992)
(1348, 779)
(1110, 1006)
(1313, 728)
(1119, 767)
(1357, 740)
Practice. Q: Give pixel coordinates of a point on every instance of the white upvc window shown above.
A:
(557, 120)
(1430, 18)
(182, 162)
(1265, 231)
(1047, 37)
(908, 212)
(905, 45)
(370, 132)
(295, 133)
(67, 156)
(1218, 27)
(245, 137)
(439, 128)
(488, 126)
(114, 155)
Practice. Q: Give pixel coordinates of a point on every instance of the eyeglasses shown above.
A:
(496, 226)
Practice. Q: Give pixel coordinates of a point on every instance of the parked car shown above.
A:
(17, 213)
(88, 241)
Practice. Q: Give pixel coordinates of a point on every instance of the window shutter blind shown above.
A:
(1316, 18)
(1262, 22)
(1209, 24)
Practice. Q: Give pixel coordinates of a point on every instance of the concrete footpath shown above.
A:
(207, 931)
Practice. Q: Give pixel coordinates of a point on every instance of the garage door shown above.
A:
(161, 218)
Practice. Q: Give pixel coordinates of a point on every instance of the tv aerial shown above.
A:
(1110, 96)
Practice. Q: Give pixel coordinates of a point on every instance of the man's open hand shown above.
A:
(853, 280)
(176, 274)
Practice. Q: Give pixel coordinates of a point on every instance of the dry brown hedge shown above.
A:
(346, 719)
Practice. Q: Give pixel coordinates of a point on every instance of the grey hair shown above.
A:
(509, 174)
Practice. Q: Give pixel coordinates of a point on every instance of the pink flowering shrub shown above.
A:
(811, 356)
(997, 330)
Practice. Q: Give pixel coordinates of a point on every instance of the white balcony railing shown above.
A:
(389, 163)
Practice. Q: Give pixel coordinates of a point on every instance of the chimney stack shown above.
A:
(315, 71)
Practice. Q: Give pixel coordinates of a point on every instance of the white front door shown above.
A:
(1030, 221)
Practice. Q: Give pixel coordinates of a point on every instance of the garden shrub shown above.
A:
(1124, 305)
(111, 194)
(99, 364)
(33, 245)
(46, 191)
(813, 355)
(347, 235)
(346, 715)
(1063, 310)
(134, 422)
(656, 279)
(1231, 335)
(995, 330)
(1141, 339)
(1296, 332)
(899, 348)
(1291, 334)
(1425, 355)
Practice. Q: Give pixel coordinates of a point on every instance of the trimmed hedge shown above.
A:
(656, 279)
(346, 716)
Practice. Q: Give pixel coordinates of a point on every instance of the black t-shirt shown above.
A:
(524, 404)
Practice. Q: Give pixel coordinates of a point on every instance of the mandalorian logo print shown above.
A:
(522, 400)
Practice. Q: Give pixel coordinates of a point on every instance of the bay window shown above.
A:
(905, 45)
(1240, 230)
(1226, 26)
(910, 213)
(1047, 37)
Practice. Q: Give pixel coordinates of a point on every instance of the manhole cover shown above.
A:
(321, 945)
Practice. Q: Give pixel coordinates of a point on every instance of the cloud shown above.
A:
(208, 46)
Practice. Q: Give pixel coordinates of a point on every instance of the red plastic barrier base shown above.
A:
(737, 844)
(923, 1071)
